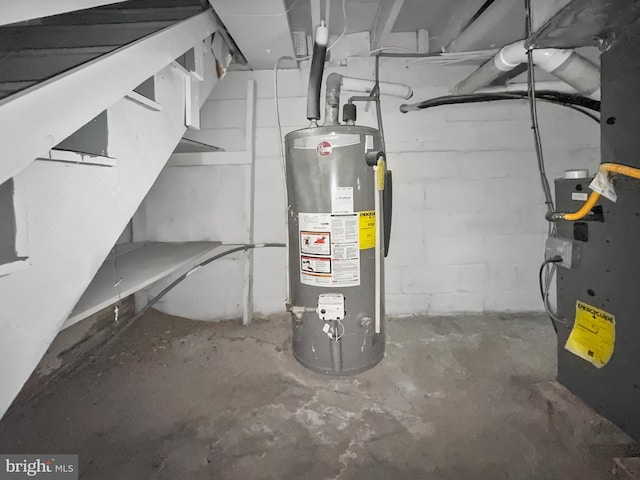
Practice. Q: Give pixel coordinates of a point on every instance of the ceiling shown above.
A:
(444, 20)
(264, 29)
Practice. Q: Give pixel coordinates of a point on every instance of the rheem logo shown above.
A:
(324, 149)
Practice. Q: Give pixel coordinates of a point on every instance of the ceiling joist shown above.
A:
(502, 22)
(385, 20)
(260, 29)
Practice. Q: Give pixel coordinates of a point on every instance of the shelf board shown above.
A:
(186, 145)
(136, 266)
(78, 158)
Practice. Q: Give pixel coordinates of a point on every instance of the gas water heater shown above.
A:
(336, 196)
(335, 266)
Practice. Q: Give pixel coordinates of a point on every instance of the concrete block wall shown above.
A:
(468, 228)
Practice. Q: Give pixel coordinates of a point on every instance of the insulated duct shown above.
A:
(335, 82)
(567, 65)
(317, 70)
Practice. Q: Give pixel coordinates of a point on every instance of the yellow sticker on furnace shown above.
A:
(593, 336)
(367, 221)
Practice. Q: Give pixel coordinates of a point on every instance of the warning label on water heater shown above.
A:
(367, 229)
(329, 249)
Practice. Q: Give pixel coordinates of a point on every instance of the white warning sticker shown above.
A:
(329, 249)
(315, 264)
(315, 243)
(581, 196)
(342, 200)
(602, 184)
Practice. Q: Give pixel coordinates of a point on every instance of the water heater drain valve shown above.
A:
(331, 306)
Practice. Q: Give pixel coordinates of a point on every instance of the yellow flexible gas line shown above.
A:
(595, 196)
(621, 169)
(586, 208)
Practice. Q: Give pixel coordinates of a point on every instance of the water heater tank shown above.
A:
(332, 241)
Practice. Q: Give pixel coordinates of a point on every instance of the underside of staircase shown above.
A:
(92, 104)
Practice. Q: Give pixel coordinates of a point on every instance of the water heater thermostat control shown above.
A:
(331, 306)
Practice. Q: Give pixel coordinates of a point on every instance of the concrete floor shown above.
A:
(453, 399)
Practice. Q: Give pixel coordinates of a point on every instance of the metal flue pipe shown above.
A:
(336, 82)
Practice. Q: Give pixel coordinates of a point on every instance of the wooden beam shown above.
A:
(260, 29)
(385, 20)
(543, 10)
(501, 23)
(461, 16)
(22, 10)
(316, 16)
(30, 121)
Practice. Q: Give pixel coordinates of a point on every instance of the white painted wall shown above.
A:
(468, 228)
(75, 214)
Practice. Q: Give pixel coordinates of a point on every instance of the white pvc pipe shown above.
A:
(567, 65)
(512, 55)
(386, 88)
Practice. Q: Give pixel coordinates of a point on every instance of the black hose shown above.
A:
(315, 81)
(565, 99)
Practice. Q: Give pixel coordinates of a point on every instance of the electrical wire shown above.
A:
(535, 128)
(545, 286)
(283, 166)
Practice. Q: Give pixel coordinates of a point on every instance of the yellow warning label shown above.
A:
(367, 222)
(593, 336)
